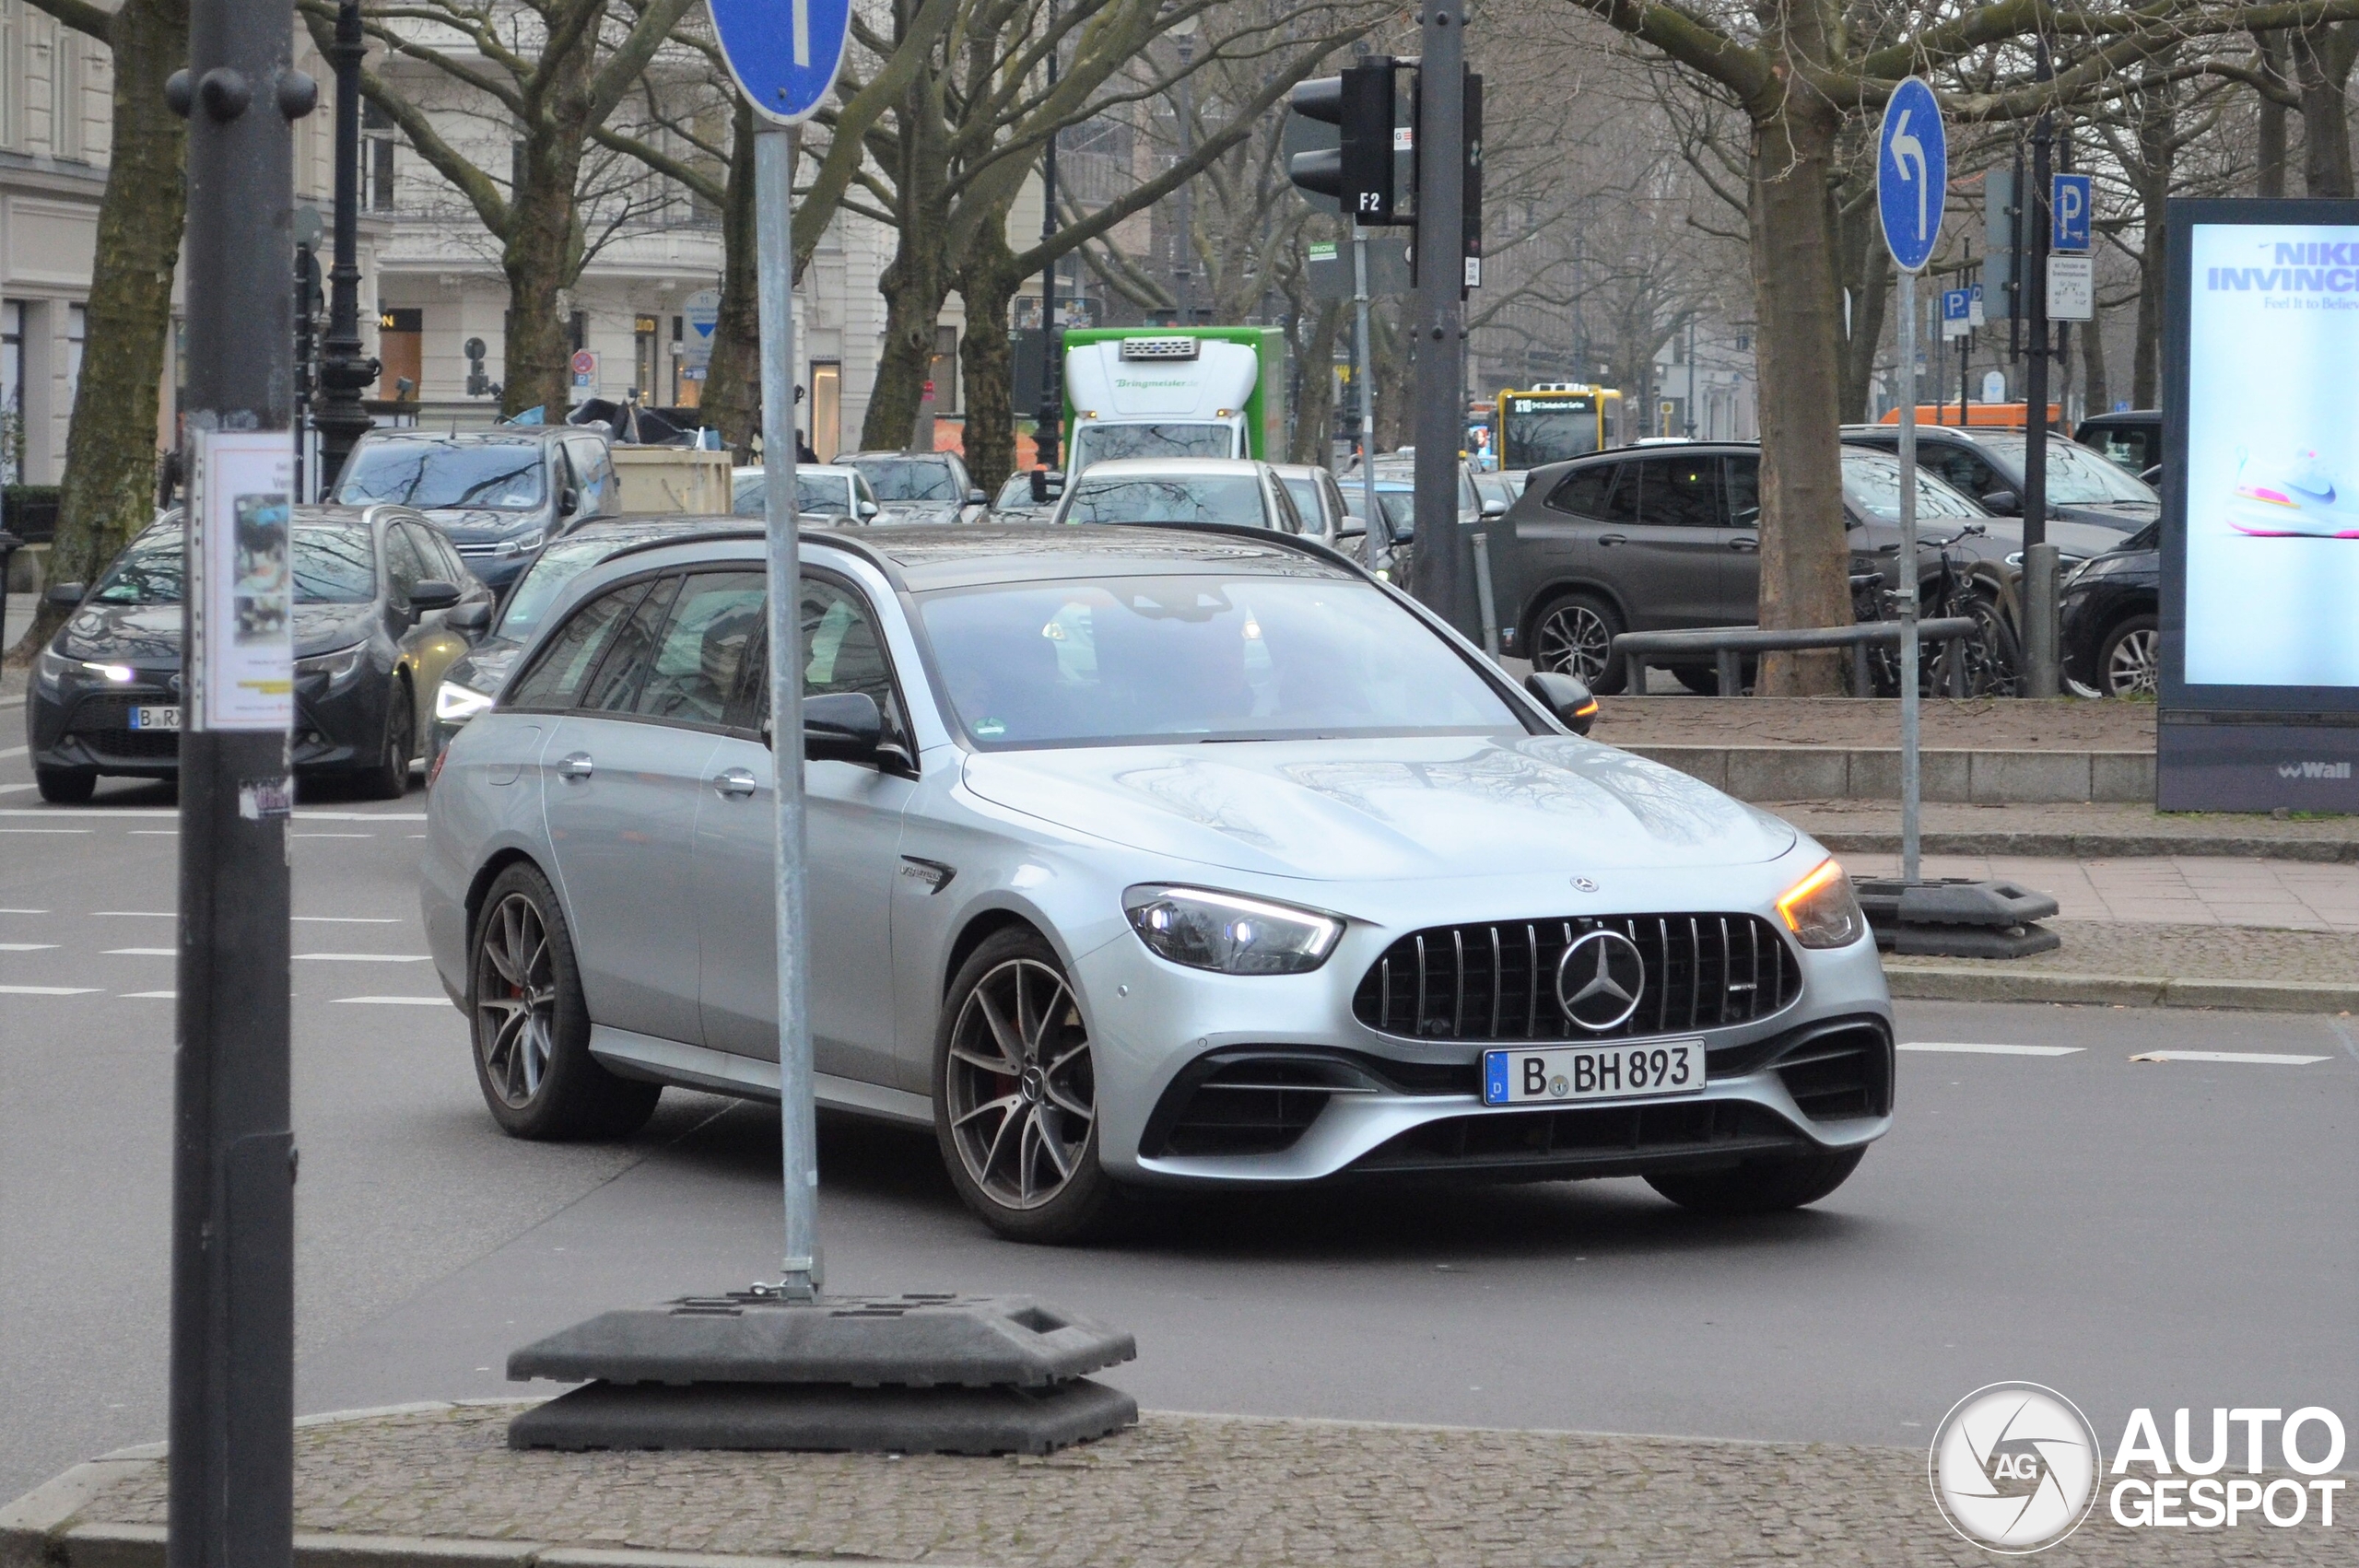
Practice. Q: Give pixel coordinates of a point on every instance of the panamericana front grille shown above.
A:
(104, 724)
(1497, 980)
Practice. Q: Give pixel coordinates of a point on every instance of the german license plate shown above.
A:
(155, 717)
(1541, 1075)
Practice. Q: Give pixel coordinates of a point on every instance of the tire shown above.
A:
(530, 1027)
(1573, 634)
(388, 779)
(1760, 1187)
(1704, 679)
(66, 786)
(1012, 1041)
(2129, 659)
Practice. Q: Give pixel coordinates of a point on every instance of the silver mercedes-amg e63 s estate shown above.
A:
(1139, 858)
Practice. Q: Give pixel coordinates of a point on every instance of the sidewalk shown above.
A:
(437, 1485)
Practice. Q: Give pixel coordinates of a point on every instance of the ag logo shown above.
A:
(1599, 980)
(2014, 1468)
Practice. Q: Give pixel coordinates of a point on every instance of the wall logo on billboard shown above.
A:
(2014, 1467)
(2313, 770)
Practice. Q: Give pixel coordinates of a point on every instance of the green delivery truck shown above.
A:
(1174, 392)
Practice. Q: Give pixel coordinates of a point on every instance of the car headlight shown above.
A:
(522, 545)
(49, 669)
(1229, 933)
(455, 704)
(1821, 909)
(337, 669)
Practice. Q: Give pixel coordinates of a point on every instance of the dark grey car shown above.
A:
(498, 494)
(1989, 465)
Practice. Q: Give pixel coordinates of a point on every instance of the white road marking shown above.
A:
(134, 914)
(163, 996)
(334, 836)
(154, 833)
(365, 957)
(23, 911)
(143, 952)
(398, 1000)
(14, 750)
(82, 830)
(17, 788)
(25, 946)
(346, 920)
(174, 811)
(47, 990)
(2258, 1058)
(1970, 1048)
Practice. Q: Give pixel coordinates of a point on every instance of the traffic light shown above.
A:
(1359, 173)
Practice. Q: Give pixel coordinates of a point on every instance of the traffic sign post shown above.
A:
(1912, 184)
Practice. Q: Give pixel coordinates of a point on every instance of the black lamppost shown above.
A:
(344, 372)
(1052, 398)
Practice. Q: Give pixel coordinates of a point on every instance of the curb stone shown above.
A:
(2099, 846)
(1958, 982)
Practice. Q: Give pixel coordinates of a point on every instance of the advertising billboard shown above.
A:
(2260, 534)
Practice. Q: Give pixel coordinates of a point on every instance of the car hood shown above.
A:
(486, 667)
(2119, 521)
(150, 634)
(1378, 810)
(477, 525)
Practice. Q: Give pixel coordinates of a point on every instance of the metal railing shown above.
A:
(1728, 646)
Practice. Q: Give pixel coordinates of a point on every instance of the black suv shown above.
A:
(1987, 463)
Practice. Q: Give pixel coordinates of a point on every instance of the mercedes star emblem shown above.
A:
(1600, 979)
(1584, 884)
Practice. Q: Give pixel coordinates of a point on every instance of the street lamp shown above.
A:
(344, 372)
(1045, 424)
(1183, 237)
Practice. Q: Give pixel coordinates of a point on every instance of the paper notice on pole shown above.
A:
(2071, 288)
(241, 598)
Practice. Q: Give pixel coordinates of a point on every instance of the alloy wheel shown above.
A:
(1022, 1097)
(515, 987)
(1574, 640)
(2133, 668)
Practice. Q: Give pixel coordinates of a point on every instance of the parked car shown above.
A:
(825, 490)
(1390, 549)
(498, 494)
(1987, 464)
(2110, 629)
(1667, 538)
(1316, 500)
(1399, 922)
(921, 486)
(375, 588)
(500, 633)
(1243, 492)
(2133, 438)
(1015, 501)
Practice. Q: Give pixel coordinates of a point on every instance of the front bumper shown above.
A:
(1815, 1075)
(86, 729)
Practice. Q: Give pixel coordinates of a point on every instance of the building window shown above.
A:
(401, 349)
(12, 390)
(944, 372)
(376, 159)
(645, 340)
(581, 331)
(66, 95)
(77, 331)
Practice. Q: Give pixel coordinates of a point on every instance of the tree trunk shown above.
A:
(987, 282)
(109, 489)
(2322, 61)
(732, 381)
(1389, 355)
(2269, 179)
(2095, 390)
(914, 285)
(1804, 554)
(1314, 414)
(538, 260)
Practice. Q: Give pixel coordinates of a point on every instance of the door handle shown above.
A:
(1748, 544)
(577, 766)
(1613, 539)
(736, 783)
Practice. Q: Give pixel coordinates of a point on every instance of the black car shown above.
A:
(499, 493)
(1988, 464)
(2133, 438)
(2110, 608)
(1667, 537)
(375, 590)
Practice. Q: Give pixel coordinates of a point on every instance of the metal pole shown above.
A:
(2039, 620)
(344, 372)
(1366, 377)
(798, 1131)
(231, 1472)
(1908, 577)
(1051, 411)
(1440, 574)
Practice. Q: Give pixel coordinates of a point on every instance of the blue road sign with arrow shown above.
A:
(784, 54)
(1912, 174)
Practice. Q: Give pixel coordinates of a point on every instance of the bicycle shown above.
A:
(1986, 665)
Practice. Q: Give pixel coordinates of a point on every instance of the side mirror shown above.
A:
(434, 593)
(977, 499)
(64, 596)
(2003, 503)
(568, 501)
(1495, 508)
(1351, 528)
(1566, 697)
(472, 620)
(869, 509)
(841, 727)
(2153, 476)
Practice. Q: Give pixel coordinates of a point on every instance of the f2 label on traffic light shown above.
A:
(1371, 172)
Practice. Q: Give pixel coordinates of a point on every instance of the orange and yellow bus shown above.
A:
(1555, 420)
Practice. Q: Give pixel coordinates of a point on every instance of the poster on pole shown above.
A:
(2259, 677)
(242, 555)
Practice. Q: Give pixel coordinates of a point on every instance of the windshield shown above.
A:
(1103, 443)
(503, 475)
(555, 566)
(335, 564)
(1237, 500)
(829, 493)
(908, 479)
(1137, 660)
(1871, 484)
(2077, 476)
(1016, 492)
(1542, 430)
(1305, 496)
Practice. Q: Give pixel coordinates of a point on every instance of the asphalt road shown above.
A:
(2157, 1233)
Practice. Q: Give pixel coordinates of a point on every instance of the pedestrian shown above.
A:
(802, 452)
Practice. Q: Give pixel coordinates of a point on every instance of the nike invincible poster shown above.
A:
(2272, 456)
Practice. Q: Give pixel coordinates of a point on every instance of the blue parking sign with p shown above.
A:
(784, 54)
(1955, 304)
(2069, 201)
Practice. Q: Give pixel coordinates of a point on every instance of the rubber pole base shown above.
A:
(825, 1418)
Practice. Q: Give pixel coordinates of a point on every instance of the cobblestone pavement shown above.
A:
(2184, 889)
(2183, 953)
(1194, 1490)
(1977, 724)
